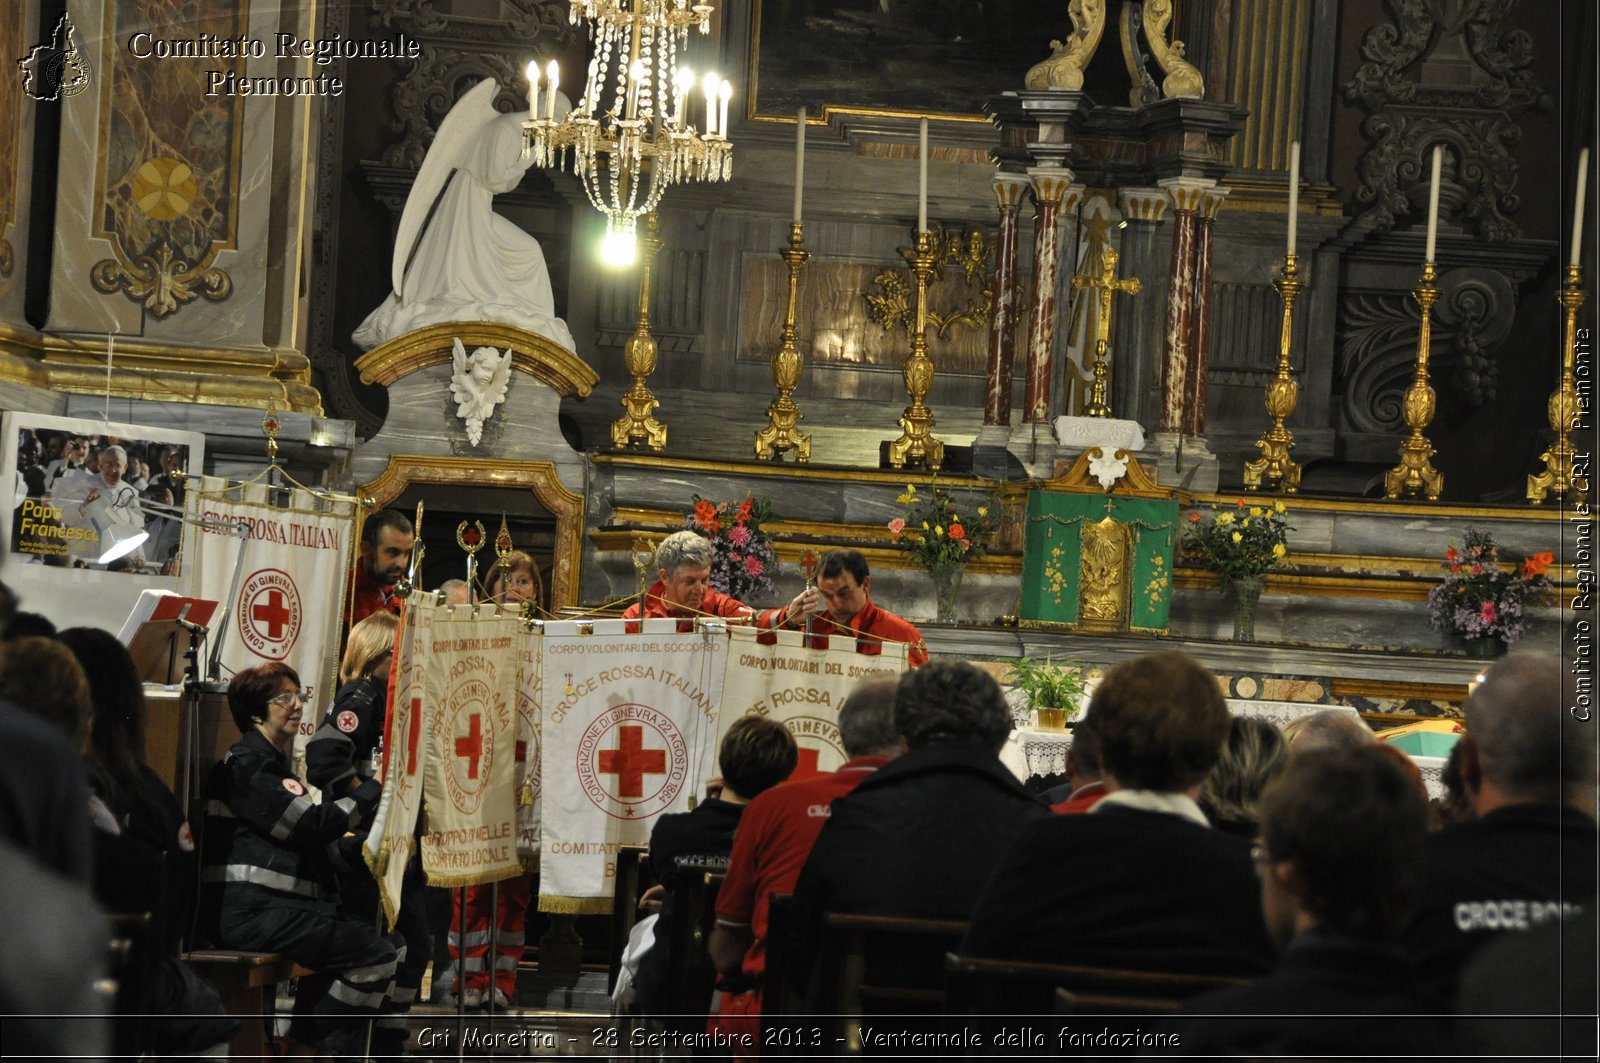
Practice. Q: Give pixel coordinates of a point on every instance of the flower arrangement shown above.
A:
(1239, 543)
(1480, 598)
(743, 560)
(934, 532)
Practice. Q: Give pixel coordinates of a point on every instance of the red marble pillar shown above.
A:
(1008, 190)
(1194, 402)
(1175, 357)
(1049, 186)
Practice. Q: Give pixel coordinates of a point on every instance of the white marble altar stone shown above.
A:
(1107, 433)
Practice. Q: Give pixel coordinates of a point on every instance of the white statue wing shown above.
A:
(496, 390)
(459, 131)
(461, 378)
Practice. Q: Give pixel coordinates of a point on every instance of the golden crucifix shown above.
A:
(1106, 286)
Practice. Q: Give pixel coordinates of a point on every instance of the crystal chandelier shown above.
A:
(631, 135)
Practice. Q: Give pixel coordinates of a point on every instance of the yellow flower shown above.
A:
(1224, 518)
(904, 499)
(911, 489)
(924, 525)
(1279, 506)
(1237, 537)
(1255, 511)
(1244, 523)
(983, 511)
(938, 529)
(1278, 550)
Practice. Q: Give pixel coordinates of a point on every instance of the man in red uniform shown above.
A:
(770, 847)
(683, 589)
(385, 553)
(845, 582)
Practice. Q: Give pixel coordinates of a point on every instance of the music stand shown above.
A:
(155, 643)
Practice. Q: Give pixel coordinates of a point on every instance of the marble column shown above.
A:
(1049, 188)
(1194, 401)
(1136, 326)
(1181, 461)
(1008, 190)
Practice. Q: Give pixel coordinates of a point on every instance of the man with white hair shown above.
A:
(81, 493)
(683, 589)
(1528, 859)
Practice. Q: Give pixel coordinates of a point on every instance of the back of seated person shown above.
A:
(1252, 758)
(755, 755)
(1142, 880)
(1338, 860)
(920, 835)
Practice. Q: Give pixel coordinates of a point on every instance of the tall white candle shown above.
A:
(1294, 193)
(799, 160)
(555, 79)
(725, 94)
(1577, 209)
(533, 90)
(922, 176)
(710, 84)
(684, 84)
(1433, 202)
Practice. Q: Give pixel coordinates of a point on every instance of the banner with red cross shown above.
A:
(287, 605)
(391, 839)
(800, 688)
(469, 708)
(628, 732)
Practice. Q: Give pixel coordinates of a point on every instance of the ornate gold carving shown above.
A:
(1135, 483)
(532, 354)
(638, 424)
(1106, 286)
(1282, 394)
(1182, 78)
(539, 477)
(970, 250)
(1416, 472)
(783, 415)
(1069, 58)
(1563, 409)
(917, 444)
(163, 282)
(1102, 573)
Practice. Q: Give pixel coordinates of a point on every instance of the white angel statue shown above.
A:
(467, 263)
(478, 384)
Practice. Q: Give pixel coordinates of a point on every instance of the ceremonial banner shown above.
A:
(469, 767)
(628, 732)
(291, 584)
(800, 688)
(391, 839)
(529, 699)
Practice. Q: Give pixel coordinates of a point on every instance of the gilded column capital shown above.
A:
(1050, 184)
(1142, 204)
(1009, 188)
(1187, 193)
(1211, 203)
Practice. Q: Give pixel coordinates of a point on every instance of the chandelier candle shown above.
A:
(554, 73)
(533, 90)
(1433, 202)
(922, 176)
(726, 94)
(710, 84)
(1294, 193)
(799, 159)
(1577, 209)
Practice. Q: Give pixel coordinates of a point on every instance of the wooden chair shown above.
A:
(690, 977)
(633, 878)
(983, 995)
(871, 965)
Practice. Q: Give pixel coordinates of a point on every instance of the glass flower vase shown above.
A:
(1246, 596)
(946, 589)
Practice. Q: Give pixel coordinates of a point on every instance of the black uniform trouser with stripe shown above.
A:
(355, 966)
(358, 899)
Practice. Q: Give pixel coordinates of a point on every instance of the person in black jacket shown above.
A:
(346, 751)
(268, 858)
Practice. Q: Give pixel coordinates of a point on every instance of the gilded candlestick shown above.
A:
(1416, 472)
(1558, 478)
(917, 444)
(638, 424)
(1282, 394)
(783, 415)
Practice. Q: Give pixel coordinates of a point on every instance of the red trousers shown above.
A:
(469, 933)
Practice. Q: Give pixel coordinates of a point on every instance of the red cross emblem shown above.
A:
(471, 746)
(630, 761)
(274, 614)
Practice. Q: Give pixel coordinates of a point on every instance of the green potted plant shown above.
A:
(1053, 690)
